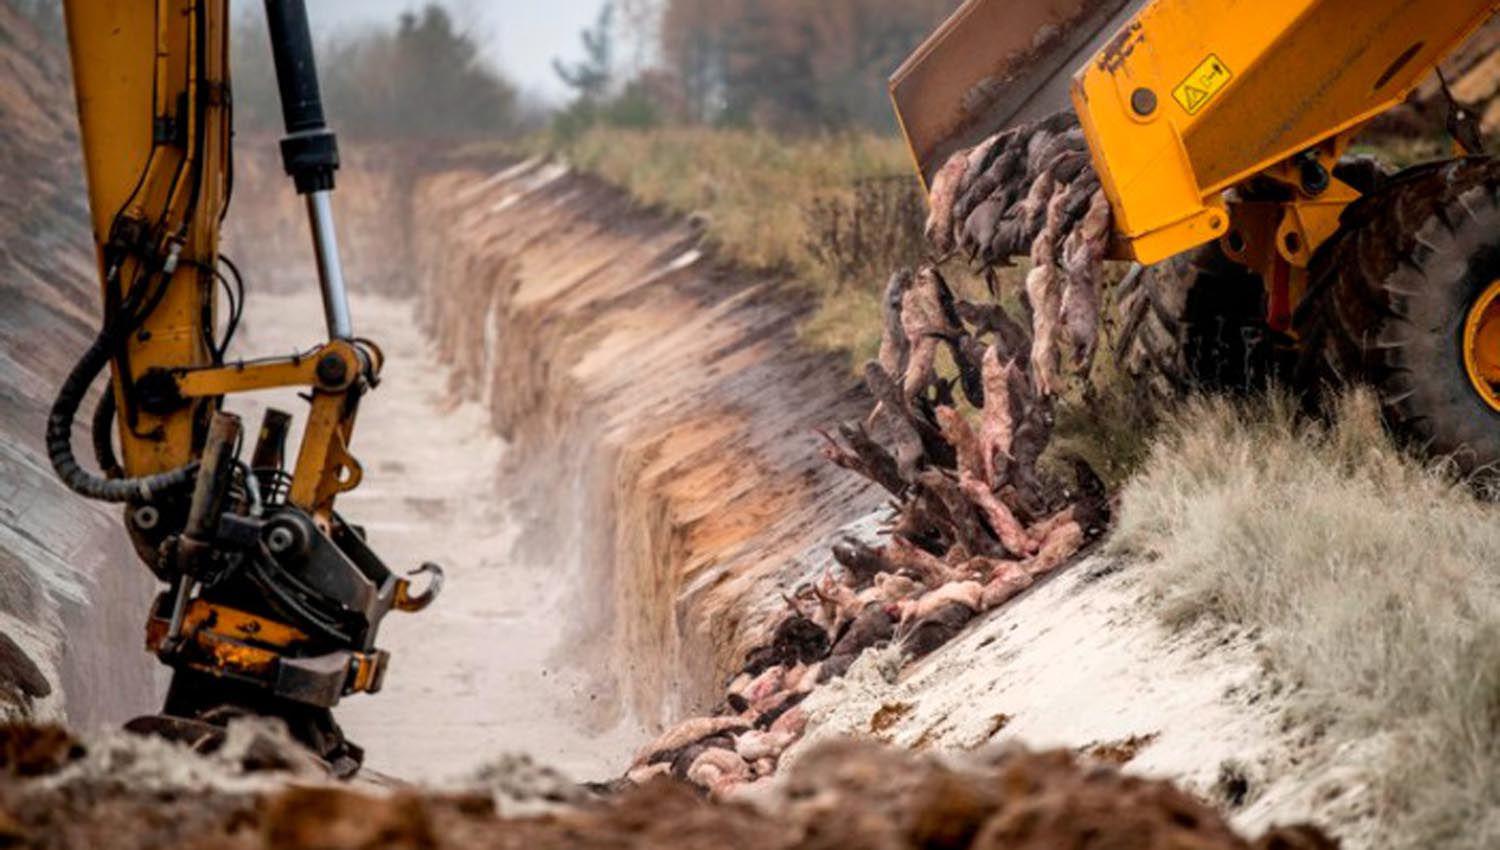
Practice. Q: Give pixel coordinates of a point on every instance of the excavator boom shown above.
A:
(273, 599)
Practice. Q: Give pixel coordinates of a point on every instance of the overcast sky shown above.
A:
(522, 36)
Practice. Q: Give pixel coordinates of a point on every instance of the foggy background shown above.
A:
(519, 37)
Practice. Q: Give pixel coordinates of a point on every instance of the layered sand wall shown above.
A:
(659, 410)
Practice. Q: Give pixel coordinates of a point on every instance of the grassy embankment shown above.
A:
(1367, 577)
(761, 197)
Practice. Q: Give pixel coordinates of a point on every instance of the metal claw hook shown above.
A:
(405, 601)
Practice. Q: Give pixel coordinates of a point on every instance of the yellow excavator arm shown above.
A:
(273, 599)
(156, 137)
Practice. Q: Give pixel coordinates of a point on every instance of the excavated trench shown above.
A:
(658, 482)
(636, 487)
(581, 400)
(605, 433)
(606, 436)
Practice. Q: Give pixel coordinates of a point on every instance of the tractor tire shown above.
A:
(1195, 322)
(1389, 299)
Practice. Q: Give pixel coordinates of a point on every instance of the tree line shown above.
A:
(782, 65)
(791, 66)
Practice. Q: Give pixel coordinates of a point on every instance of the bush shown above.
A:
(756, 191)
(860, 233)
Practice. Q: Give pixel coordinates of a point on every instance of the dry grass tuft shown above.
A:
(858, 236)
(753, 187)
(1371, 579)
(758, 194)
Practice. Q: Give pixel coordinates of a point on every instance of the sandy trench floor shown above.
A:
(486, 670)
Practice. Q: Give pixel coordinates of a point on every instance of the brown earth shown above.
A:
(844, 794)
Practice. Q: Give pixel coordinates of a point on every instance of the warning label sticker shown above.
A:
(1199, 88)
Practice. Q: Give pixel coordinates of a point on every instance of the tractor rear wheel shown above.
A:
(1195, 322)
(1406, 298)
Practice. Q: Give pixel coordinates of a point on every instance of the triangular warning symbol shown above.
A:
(1195, 97)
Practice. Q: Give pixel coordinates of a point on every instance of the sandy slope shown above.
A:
(1081, 662)
(485, 671)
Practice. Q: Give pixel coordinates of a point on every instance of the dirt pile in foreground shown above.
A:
(844, 794)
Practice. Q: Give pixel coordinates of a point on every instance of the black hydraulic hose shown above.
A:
(296, 69)
(304, 614)
(60, 438)
(103, 436)
(310, 151)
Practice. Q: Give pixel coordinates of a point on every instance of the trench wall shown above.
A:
(659, 407)
(72, 594)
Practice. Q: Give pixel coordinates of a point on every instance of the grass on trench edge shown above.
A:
(1368, 576)
(755, 191)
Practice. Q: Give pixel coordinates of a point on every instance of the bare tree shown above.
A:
(790, 64)
(640, 31)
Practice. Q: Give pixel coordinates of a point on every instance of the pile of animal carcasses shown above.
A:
(974, 522)
(974, 519)
(1032, 190)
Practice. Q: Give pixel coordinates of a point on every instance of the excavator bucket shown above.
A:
(994, 64)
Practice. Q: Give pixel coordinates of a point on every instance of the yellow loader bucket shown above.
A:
(994, 64)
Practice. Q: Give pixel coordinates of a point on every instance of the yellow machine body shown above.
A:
(1193, 97)
(1182, 100)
